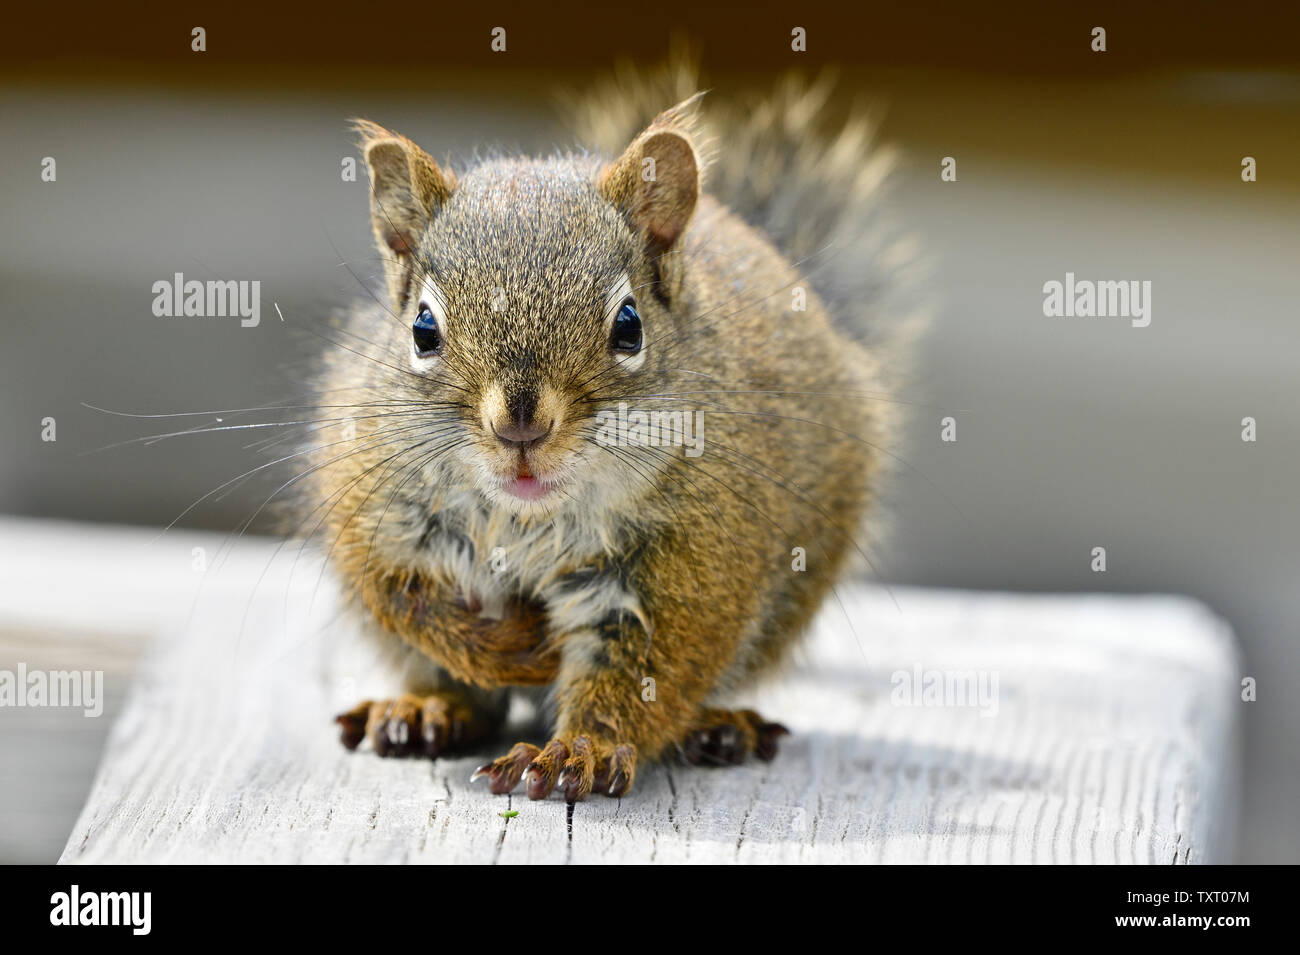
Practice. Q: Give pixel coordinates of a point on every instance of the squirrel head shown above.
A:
(531, 295)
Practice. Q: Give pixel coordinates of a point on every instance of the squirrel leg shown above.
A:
(725, 737)
(423, 724)
(634, 671)
(510, 650)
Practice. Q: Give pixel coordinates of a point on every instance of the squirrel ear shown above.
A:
(656, 182)
(406, 190)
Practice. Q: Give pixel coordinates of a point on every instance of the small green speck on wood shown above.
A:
(509, 813)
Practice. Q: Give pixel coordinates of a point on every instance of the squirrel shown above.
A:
(499, 506)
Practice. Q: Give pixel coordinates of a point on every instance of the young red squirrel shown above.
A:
(492, 507)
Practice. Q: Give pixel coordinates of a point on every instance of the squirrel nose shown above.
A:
(520, 429)
(520, 433)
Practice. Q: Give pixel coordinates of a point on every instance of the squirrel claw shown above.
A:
(575, 766)
(504, 774)
(768, 734)
(619, 785)
(544, 772)
(353, 728)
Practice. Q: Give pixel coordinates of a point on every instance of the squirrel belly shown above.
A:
(604, 438)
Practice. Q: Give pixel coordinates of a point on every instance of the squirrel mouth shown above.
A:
(525, 485)
(527, 488)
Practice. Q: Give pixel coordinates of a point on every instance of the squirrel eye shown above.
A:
(626, 336)
(425, 332)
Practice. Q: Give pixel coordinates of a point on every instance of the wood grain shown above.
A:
(1114, 740)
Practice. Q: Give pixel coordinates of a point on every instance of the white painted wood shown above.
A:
(1114, 737)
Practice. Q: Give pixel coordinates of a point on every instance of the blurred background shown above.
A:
(1072, 433)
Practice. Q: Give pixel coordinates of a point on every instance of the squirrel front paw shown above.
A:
(726, 737)
(576, 766)
(414, 725)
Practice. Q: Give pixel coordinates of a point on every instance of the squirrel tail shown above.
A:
(816, 186)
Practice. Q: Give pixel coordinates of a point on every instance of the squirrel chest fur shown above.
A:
(603, 438)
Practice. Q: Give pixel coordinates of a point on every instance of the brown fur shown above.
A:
(651, 565)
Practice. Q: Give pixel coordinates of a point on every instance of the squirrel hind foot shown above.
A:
(412, 725)
(727, 737)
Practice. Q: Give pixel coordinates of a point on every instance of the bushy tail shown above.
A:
(817, 187)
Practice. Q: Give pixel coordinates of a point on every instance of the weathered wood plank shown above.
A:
(1113, 740)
